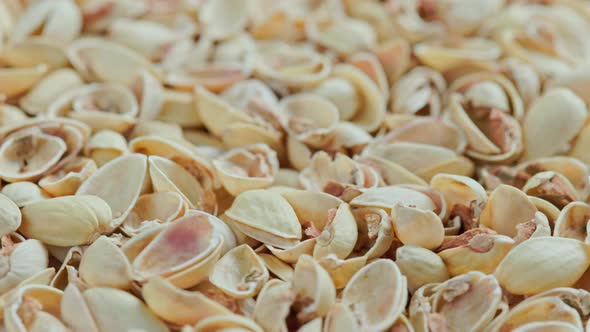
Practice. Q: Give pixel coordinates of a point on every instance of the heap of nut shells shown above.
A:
(301, 165)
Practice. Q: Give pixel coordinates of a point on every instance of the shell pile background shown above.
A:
(294, 165)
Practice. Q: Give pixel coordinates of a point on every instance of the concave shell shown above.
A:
(166, 175)
(505, 209)
(315, 292)
(573, 222)
(153, 209)
(467, 302)
(273, 305)
(552, 187)
(98, 59)
(10, 114)
(240, 273)
(416, 226)
(104, 264)
(182, 252)
(38, 99)
(267, 217)
(32, 51)
(339, 234)
(34, 148)
(388, 197)
(34, 308)
(59, 21)
(375, 232)
(413, 128)
(363, 294)
(66, 220)
(342, 270)
(67, 180)
(133, 169)
(180, 152)
(308, 117)
(150, 95)
(460, 192)
(422, 159)
(341, 34)
(419, 91)
(105, 145)
(291, 65)
(277, 267)
(341, 318)
(179, 306)
(10, 216)
(179, 107)
(107, 309)
(551, 122)
(101, 106)
(20, 261)
(247, 168)
(542, 263)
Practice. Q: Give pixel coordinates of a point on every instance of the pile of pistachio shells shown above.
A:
(294, 165)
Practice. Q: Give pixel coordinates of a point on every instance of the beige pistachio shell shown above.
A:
(375, 232)
(67, 180)
(362, 294)
(20, 261)
(420, 266)
(240, 273)
(227, 322)
(315, 292)
(105, 145)
(275, 224)
(166, 175)
(370, 65)
(179, 107)
(460, 191)
(414, 226)
(277, 267)
(222, 19)
(179, 306)
(158, 128)
(103, 264)
(542, 263)
(339, 234)
(420, 91)
(341, 318)
(10, 114)
(388, 197)
(342, 34)
(153, 209)
(66, 220)
(308, 117)
(392, 173)
(58, 21)
(341, 93)
(273, 305)
(468, 302)
(475, 250)
(505, 209)
(40, 97)
(24, 193)
(14, 81)
(10, 216)
(107, 309)
(573, 222)
(132, 168)
(184, 251)
(557, 111)
(291, 255)
(32, 51)
(34, 308)
(251, 167)
(149, 94)
(552, 187)
(101, 60)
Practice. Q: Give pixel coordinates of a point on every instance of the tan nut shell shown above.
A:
(104, 146)
(39, 98)
(314, 288)
(573, 222)
(363, 294)
(103, 264)
(273, 305)
(417, 227)
(10, 216)
(66, 220)
(70, 178)
(542, 263)
(24, 193)
(420, 266)
(26, 260)
(507, 207)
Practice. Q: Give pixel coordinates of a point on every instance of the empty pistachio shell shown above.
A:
(179, 306)
(104, 146)
(14, 81)
(133, 169)
(573, 222)
(339, 235)
(240, 273)
(107, 309)
(277, 267)
(267, 217)
(226, 322)
(341, 318)
(363, 294)
(224, 18)
(388, 197)
(37, 101)
(10, 216)
(420, 266)
(24, 193)
(542, 140)
(315, 292)
(419, 91)
(153, 209)
(66, 220)
(20, 261)
(34, 308)
(506, 208)
(417, 227)
(552, 187)
(542, 263)
(67, 180)
(103, 264)
(272, 305)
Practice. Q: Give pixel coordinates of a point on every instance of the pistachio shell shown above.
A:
(66, 220)
(179, 107)
(103, 264)
(39, 98)
(153, 209)
(388, 197)
(506, 208)
(363, 295)
(573, 222)
(22, 261)
(24, 193)
(272, 305)
(10, 216)
(341, 318)
(227, 322)
(277, 267)
(417, 227)
(338, 236)
(223, 19)
(314, 289)
(14, 81)
(542, 263)
(267, 217)
(121, 199)
(69, 179)
(240, 273)
(420, 266)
